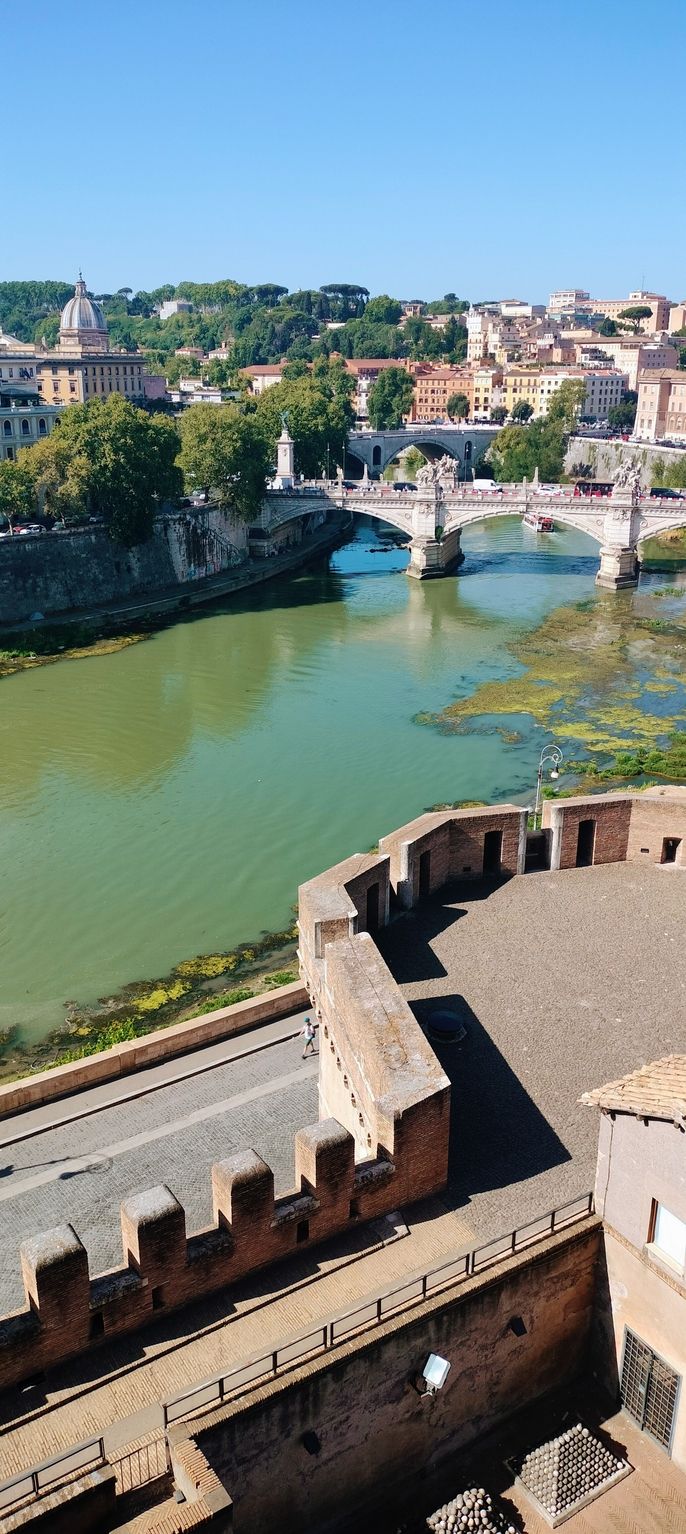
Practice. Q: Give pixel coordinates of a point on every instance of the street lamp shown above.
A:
(552, 755)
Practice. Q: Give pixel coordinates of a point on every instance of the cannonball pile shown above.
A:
(472, 1509)
(567, 1469)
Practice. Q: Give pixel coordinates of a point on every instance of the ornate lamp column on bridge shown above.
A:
(619, 565)
(284, 478)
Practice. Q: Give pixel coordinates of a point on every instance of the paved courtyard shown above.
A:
(564, 980)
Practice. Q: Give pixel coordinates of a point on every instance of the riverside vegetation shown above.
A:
(194, 987)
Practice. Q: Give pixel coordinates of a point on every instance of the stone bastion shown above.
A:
(381, 1141)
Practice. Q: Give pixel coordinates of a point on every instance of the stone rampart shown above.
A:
(617, 828)
(382, 1138)
(67, 1311)
(454, 844)
(508, 1336)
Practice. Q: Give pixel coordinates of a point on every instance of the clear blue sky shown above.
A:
(415, 146)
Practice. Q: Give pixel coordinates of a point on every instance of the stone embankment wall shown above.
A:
(83, 568)
(606, 456)
(373, 1429)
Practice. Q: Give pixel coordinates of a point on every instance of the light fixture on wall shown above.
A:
(433, 1376)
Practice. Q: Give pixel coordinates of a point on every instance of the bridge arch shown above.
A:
(432, 447)
(482, 513)
(657, 532)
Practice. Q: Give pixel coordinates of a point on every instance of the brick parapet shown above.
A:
(627, 828)
(444, 845)
(67, 1312)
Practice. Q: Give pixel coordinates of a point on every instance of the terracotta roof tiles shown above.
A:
(654, 1091)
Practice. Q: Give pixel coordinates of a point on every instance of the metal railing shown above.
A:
(212, 1393)
(44, 1477)
(138, 1466)
(144, 1463)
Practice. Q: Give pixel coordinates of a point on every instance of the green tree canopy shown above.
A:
(383, 310)
(458, 407)
(522, 411)
(225, 450)
(17, 494)
(111, 460)
(499, 414)
(390, 399)
(623, 415)
(320, 415)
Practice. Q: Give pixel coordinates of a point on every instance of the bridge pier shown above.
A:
(619, 568)
(431, 557)
(619, 565)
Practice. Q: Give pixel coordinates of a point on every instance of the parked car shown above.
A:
(30, 527)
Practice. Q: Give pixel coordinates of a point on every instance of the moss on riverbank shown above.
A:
(69, 641)
(589, 673)
(193, 987)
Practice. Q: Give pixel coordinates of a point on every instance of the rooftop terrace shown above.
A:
(564, 980)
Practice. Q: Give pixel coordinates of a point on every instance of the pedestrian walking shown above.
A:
(307, 1032)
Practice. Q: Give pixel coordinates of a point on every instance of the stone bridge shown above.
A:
(433, 519)
(376, 449)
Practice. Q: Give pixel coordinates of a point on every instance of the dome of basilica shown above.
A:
(82, 313)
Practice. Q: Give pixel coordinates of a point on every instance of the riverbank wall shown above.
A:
(605, 456)
(192, 557)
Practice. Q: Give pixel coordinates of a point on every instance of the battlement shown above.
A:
(163, 1268)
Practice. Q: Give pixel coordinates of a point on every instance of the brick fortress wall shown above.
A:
(382, 1137)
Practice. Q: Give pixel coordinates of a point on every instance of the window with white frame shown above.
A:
(669, 1237)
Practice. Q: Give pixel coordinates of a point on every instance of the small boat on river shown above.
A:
(539, 521)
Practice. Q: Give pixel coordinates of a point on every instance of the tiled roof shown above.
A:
(654, 1091)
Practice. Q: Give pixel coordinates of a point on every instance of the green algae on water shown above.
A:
(589, 672)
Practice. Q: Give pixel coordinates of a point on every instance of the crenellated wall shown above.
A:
(68, 1312)
(382, 1138)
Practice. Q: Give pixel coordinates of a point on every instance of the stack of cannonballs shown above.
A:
(472, 1509)
(568, 1469)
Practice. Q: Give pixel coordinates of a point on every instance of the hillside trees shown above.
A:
(390, 399)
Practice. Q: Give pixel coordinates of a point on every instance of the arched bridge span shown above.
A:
(376, 449)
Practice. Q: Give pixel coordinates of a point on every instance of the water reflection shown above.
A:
(167, 800)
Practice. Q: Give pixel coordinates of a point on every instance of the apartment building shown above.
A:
(604, 388)
(568, 300)
(661, 408)
(490, 335)
(613, 308)
(630, 355)
(641, 1197)
(261, 375)
(677, 318)
(433, 387)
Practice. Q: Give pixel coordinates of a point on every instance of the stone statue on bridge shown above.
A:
(439, 476)
(627, 483)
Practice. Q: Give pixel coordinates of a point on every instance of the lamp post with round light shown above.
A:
(550, 755)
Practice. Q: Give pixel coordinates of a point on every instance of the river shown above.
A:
(166, 800)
